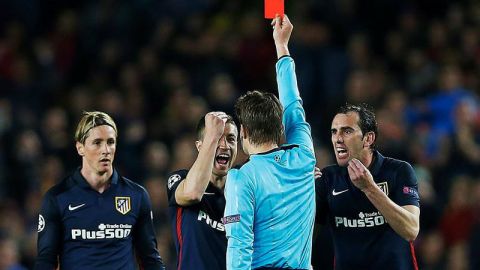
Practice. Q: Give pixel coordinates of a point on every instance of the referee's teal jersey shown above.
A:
(270, 200)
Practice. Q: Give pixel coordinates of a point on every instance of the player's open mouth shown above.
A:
(222, 159)
(341, 152)
(104, 160)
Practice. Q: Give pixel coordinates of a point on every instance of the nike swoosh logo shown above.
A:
(338, 193)
(71, 208)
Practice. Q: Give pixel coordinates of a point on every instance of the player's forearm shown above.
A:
(402, 221)
(198, 177)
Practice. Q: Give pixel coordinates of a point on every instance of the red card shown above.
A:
(274, 7)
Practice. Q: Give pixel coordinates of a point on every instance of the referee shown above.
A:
(270, 200)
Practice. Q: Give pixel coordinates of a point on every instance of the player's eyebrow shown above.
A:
(342, 129)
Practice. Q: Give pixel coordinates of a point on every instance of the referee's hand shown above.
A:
(282, 29)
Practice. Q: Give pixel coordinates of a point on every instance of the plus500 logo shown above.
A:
(213, 223)
(365, 220)
(105, 231)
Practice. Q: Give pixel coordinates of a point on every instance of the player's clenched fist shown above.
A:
(215, 124)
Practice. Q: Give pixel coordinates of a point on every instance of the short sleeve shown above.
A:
(174, 179)
(406, 187)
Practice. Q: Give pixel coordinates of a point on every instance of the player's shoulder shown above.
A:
(63, 186)
(179, 173)
(390, 163)
(175, 177)
(331, 174)
(331, 169)
(132, 185)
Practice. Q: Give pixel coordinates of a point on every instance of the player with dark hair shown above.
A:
(270, 210)
(369, 201)
(195, 196)
(95, 218)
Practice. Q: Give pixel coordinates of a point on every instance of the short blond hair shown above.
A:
(90, 120)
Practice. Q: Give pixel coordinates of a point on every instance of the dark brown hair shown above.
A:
(367, 121)
(261, 114)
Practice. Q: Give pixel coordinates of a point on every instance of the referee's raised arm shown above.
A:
(297, 130)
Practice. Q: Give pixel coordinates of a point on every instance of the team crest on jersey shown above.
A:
(122, 204)
(384, 187)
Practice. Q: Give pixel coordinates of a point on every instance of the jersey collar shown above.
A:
(282, 147)
(82, 182)
(377, 162)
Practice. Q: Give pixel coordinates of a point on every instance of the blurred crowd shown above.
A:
(158, 66)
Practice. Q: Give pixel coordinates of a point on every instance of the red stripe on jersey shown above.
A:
(179, 236)
(139, 262)
(414, 258)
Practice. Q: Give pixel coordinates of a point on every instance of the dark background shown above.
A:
(158, 65)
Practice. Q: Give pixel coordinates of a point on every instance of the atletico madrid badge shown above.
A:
(122, 204)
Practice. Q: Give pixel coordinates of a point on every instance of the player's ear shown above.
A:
(368, 139)
(80, 149)
(198, 144)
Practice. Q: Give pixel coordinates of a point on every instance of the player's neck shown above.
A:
(367, 159)
(262, 148)
(218, 181)
(98, 181)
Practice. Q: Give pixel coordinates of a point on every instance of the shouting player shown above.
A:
(196, 200)
(370, 201)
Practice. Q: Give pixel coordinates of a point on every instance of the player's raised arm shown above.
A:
(190, 191)
(297, 130)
